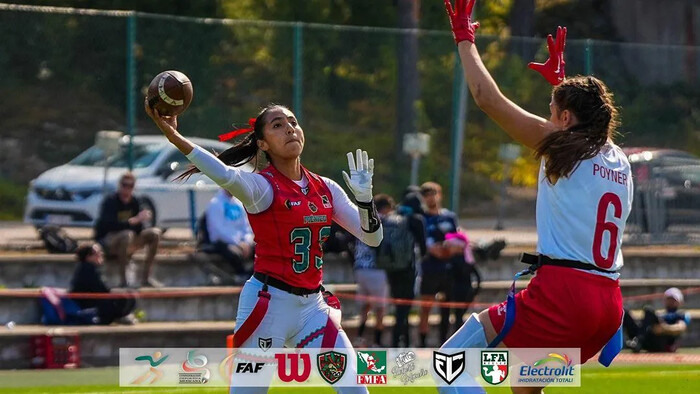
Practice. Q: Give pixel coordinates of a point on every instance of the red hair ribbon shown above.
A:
(235, 133)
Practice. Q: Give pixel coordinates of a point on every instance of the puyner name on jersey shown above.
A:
(610, 175)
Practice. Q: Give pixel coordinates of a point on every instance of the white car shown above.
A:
(71, 194)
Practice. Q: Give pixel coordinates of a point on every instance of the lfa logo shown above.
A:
(494, 366)
(293, 367)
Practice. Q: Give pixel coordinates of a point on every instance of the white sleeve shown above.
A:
(346, 214)
(254, 191)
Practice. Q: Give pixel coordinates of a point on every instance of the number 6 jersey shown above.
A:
(583, 217)
(290, 233)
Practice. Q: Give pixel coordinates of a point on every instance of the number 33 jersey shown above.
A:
(289, 235)
(583, 217)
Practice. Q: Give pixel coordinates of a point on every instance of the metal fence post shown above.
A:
(298, 71)
(459, 115)
(588, 52)
(130, 83)
(193, 211)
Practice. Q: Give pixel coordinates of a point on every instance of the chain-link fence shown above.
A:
(69, 73)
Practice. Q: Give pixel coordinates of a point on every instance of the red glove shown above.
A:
(553, 69)
(461, 20)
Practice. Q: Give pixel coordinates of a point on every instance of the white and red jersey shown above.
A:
(583, 217)
(290, 233)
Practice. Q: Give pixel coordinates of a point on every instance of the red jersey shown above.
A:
(290, 233)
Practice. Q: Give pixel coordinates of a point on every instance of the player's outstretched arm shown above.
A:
(168, 126)
(524, 127)
(252, 189)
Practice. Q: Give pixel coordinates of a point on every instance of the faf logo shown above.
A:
(371, 367)
(448, 366)
(494, 366)
(331, 366)
(193, 371)
(153, 371)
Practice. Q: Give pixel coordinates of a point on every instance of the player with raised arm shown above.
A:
(290, 211)
(583, 200)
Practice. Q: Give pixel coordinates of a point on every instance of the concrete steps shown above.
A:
(99, 345)
(174, 304)
(176, 268)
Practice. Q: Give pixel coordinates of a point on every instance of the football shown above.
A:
(170, 92)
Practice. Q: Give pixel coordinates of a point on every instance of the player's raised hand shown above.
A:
(553, 69)
(463, 29)
(360, 179)
(166, 124)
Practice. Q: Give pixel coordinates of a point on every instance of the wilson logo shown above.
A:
(294, 367)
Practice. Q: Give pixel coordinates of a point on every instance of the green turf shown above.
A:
(647, 379)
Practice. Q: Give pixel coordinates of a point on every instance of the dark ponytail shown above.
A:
(592, 104)
(244, 151)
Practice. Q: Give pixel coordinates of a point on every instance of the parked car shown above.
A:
(71, 194)
(667, 188)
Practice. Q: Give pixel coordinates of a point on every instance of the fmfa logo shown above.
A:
(494, 366)
(371, 367)
(294, 367)
(448, 366)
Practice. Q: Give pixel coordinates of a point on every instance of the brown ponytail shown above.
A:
(592, 104)
(244, 151)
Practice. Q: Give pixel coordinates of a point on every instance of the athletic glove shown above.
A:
(553, 69)
(360, 179)
(463, 29)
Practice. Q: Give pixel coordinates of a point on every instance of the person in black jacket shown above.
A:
(402, 283)
(120, 229)
(87, 278)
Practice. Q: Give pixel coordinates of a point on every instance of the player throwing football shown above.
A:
(583, 200)
(290, 211)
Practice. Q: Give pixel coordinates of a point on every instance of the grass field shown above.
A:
(647, 379)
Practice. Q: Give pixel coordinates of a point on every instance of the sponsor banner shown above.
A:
(266, 366)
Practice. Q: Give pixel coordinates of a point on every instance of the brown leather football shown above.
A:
(170, 92)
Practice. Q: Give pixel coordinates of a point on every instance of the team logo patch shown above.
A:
(331, 366)
(371, 367)
(494, 366)
(265, 343)
(448, 366)
(326, 202)
(313, 207)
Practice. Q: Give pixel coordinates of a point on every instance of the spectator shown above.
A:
(120, 230)
(466, 280)
(658, 333)
(228, 232)
(87, 278)
(436, 267)
(372, 281)
(402, 282)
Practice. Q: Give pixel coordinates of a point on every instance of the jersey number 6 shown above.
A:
(301, 238)
(602, 226)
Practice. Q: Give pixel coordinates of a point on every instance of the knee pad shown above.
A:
(470, 335)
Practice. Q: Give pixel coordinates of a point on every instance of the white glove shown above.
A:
(360, 179)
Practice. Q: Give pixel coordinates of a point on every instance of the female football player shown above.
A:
(290, 211)
(583, 200)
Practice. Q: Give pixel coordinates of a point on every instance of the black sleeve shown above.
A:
(107, 217)
(416, 224)
(86, 279)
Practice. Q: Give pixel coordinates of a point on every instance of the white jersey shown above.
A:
(583, 217)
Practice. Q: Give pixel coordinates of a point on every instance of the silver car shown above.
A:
(71, 194)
